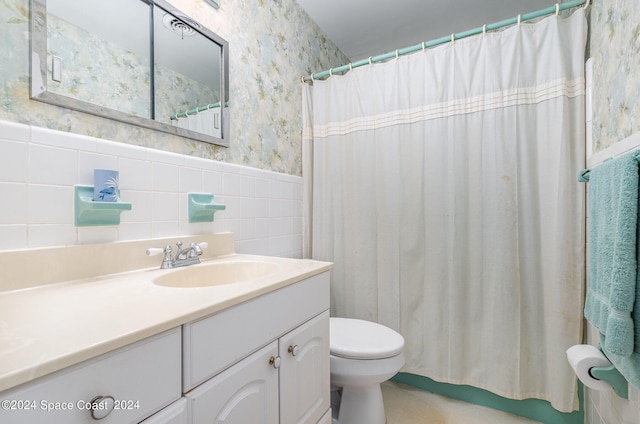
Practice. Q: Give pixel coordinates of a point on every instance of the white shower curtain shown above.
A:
(444, 189)
(205, 122)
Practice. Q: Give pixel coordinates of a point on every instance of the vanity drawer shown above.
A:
(220, 340)
(141, 378)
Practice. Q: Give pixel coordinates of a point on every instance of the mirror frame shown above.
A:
(39, 77)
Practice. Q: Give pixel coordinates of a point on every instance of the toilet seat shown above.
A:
(358, 339)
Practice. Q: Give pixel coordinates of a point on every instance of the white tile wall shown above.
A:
(39, 167)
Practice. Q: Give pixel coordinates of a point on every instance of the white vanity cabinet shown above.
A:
(326, 419)
(265, 361)
(176, 413)
(134, 382)
(304, 372)
(245, 393)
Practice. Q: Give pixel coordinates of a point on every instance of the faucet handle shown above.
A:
(167, 261)
(152, 251)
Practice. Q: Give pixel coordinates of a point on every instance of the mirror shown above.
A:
(137, 61)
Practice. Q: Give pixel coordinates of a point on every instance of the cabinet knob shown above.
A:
(294, 350)
(101, 406)
(274, 361)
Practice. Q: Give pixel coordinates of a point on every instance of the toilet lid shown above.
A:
(359, 339)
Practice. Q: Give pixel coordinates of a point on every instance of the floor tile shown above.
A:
(408, 405)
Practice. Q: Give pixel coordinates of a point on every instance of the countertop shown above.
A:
(47, 328)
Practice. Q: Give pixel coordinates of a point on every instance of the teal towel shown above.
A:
(612, 276)
(629, 366)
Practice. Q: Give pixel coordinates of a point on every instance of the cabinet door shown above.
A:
(214, 343)
(245, 393)
(304, 374)
(326, 419)
(176, 413)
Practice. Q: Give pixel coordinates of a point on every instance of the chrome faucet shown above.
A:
(184, 257)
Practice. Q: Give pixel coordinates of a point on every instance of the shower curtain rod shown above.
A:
(443, 40)
(194, 111)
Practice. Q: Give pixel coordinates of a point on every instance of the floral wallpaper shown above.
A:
(271, 44)
(97, 71)
(177, 93)
(615, 49)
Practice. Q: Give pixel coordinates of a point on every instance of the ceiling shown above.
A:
(363, 28)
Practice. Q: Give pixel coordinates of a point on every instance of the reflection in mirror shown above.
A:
(187, 74)
(96, 56)
(100, 57)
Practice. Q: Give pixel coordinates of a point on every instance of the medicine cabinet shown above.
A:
(142, 62)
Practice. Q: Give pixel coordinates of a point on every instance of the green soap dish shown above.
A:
(202, 207)
(90, 213)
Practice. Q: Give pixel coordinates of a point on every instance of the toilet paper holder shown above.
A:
(612, 376)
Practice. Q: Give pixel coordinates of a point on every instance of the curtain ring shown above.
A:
(302, 79)
(453, 38)
(370, 62)
(519, 20)
(587, 3)
(396, 53)
(484, 29)
(313, 77)
(330, 72)
(424, 46)
(350, 66)
(557, 8)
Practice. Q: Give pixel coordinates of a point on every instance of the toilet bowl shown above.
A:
(363, 355)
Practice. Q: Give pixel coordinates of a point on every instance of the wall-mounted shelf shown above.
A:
(89, 213)
(202, 207)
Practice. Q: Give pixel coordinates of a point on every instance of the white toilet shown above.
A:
(363, 355)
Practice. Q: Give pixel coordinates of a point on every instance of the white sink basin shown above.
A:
(216, 274)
